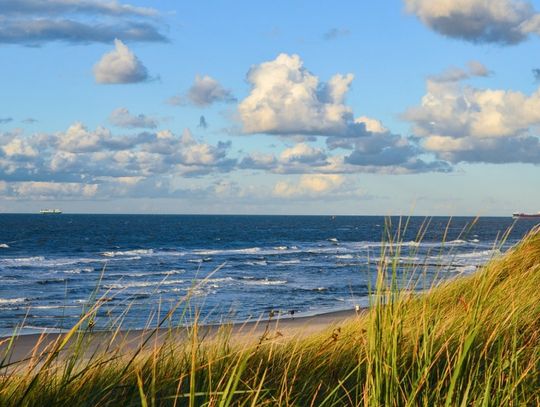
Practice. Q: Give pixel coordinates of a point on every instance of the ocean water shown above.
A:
(231, 267)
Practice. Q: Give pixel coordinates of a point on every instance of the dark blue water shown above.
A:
(232, 267)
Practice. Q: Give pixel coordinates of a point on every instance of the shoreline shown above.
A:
(26, 346)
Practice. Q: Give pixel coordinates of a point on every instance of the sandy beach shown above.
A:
(252, 331)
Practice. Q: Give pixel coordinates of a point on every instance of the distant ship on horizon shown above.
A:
(50, 211)
(519, 215)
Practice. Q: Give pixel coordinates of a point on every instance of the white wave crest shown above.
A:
(10, 301)
(249, 250)
(141, 284)
(128, 252)
(78, 270)
(25, 260)
(257, 263)
(264, 282)
(41, 261)
(457, 242)
(295, 261)
(344, 256)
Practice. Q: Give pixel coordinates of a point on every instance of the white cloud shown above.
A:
(287, 99)
(119, 66)
(53, 190)
(119, 164)
(456, 110)
(204, 92)
(463, 123)
(500, 21)
(303, 153)
(476, 68)
(195, 153)
(259, 161)
(77, 139)
(19, 147)
(309, 185)
(121, 117)
(372, 125)
(379, 151)
(454, 74)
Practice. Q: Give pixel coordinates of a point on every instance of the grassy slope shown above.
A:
(471, 341)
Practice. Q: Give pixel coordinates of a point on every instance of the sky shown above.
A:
(287, 107)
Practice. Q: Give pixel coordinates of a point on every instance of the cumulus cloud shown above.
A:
(136, 164)
(119, 66)
(303, 153)
(309, 185)
(19, 147)
(462, 123)
(454, 74)
(204, 92)
(195, 153)
(298, 159)
(78, 139)
(121, 117)
(33, 22)
(481, 21)
(53, 190)
(259, 161)
(371, 125)
(379, 152)
(287, 99)
(525, 149)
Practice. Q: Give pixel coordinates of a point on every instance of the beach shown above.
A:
(128, 341)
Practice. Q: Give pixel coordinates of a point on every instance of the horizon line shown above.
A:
(258, 214)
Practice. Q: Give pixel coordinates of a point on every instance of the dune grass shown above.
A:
(474, 340)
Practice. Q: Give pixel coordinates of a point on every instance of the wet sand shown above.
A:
(24, 346)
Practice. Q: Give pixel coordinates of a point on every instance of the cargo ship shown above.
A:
(50, 211)
(526, 215)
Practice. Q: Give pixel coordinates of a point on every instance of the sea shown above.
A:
(220, 269)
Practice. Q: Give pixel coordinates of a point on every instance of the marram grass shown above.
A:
(472, 341)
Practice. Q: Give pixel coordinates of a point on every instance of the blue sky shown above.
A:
(396, 107)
